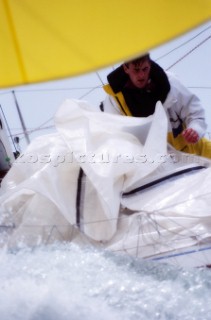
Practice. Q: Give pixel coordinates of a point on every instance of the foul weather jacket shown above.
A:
(183, 108)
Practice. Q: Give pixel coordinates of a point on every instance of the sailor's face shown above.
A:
(138, 73)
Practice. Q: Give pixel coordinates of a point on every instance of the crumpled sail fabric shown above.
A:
(102, 179)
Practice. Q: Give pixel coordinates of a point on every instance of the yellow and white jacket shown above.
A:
(183, 109)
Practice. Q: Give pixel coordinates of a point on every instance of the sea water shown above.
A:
(66, 282)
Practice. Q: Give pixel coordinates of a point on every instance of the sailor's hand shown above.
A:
(190, 135)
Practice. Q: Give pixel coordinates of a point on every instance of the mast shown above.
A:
(21, 118)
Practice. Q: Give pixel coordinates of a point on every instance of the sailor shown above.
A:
(136, 86)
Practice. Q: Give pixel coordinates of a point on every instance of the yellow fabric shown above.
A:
(119, 98)
(202, 148)
(178, 143)
(48, 39)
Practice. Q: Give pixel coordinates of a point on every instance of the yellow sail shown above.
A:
(48, 39)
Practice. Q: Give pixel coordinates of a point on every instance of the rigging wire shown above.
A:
(87, 93)
(81, 97)
(188, 53)
(195, 87)
(49, 89)
(183, 44)
(29, 131)
(97, 73)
